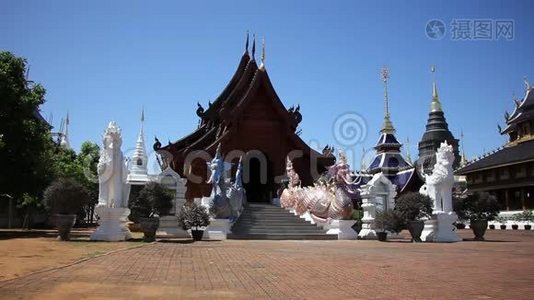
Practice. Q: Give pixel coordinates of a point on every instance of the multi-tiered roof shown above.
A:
(388, 158)
(520, 146)
(437, 131)
(248, 115)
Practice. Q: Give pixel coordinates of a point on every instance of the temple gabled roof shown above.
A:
(523, 111)
(229, 105)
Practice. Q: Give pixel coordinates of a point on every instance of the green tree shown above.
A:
(88, 160)
(25, 139)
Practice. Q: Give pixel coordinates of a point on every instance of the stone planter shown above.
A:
(528, 227)
(515, 226)
(149, 227)
(197, 234)
(64, 224)
(503, 227)
(382, 236)
(416, 229)
(492, 227)
(479, 228)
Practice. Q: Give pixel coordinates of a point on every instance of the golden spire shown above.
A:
(463, 161)
(388, 126)
(408, 154)
(363, 165)
(435, 105)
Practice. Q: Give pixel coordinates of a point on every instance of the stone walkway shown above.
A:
(502, 268)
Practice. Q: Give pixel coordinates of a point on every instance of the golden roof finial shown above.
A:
(527, 84)
(388, 126)
(436, 105)
(253, 46)
(246, 43)
(262, 52)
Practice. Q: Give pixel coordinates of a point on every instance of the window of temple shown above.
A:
(513, 136)
(479, 178)
(168, 181)
(490, 176)
(469, 179)
(504, 174)
(139, 162)
(521, 171)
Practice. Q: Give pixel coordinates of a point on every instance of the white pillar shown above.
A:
(369, 212)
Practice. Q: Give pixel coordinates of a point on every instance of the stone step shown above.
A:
(265, 221)
(278, 228)
(273, 219)
(282, 236)
(286, 224)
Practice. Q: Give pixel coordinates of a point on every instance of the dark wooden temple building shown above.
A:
(508, 172)
(247, 118)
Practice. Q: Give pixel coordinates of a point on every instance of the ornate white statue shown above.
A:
(226, 199)
(112, 208)
(217, 172)
(438, 186)
(112, 171)
(236, 193)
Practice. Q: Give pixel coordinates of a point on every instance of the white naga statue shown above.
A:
(112, 171)
(438, 186)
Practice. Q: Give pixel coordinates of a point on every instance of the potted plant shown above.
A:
(357, 215)
(387, 221)
(194, 217)
(501, 220)
(64, 198)
(153, 201)
(526, 216)
(492, 226)
(479, 208)
(414, 207)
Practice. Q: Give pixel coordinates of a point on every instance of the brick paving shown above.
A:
(500, 268)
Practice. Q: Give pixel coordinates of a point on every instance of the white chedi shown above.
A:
(112, 171)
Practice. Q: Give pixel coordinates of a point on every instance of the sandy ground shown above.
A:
(24, 252)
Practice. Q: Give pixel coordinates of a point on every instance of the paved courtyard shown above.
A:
(500, 268)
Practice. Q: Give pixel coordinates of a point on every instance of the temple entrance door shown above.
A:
(257, 179)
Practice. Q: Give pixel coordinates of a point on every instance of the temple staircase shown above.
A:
(261, 221)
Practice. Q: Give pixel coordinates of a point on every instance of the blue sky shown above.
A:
(105, 60)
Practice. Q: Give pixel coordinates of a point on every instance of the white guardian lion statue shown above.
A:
(112, 171)
(438, 185)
